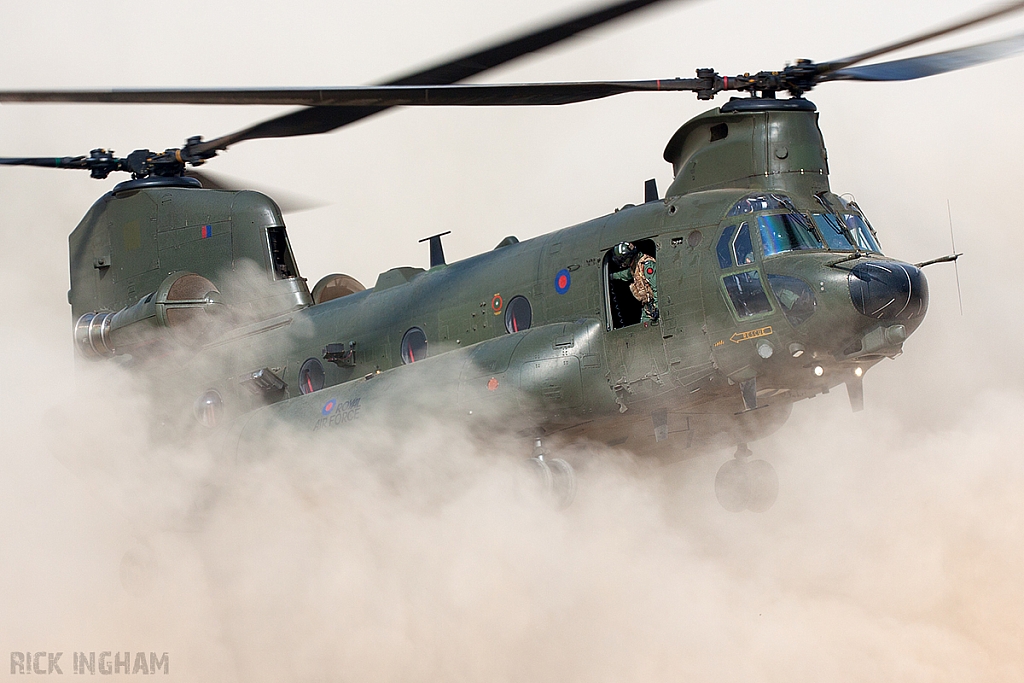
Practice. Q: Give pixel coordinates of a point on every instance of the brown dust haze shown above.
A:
(894, 552)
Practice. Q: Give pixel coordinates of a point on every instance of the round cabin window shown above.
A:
(518, 315)
(414, 346)
(311, 376)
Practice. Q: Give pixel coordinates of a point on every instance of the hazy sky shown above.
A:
(940, 425)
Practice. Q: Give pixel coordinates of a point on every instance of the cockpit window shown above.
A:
(861, 232)
(786, 232)
(833, 231)
(747, 293)
(761, 202)
(723, 250)
(281, 254)
(795, 295)
(742, 246)
(734, 246)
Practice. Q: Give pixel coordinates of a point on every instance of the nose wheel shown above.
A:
(556, 476)
(744, 484)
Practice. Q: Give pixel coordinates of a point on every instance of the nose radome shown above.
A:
(889, 290)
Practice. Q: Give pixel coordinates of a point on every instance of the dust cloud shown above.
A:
(422, 554)
(894, 551)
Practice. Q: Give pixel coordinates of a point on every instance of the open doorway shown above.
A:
(621, 307)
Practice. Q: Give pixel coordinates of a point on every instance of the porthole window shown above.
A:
(311, 376)
(518, 314)
(414, 345)
(209, 409)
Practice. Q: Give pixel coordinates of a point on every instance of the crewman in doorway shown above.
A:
(641, 272)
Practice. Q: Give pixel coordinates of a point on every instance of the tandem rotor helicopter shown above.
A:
(695, 319)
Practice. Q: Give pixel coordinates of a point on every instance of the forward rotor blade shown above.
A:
(516, 94)
(321, 120)
(215, 182)
(930, 65)
(1000, 11)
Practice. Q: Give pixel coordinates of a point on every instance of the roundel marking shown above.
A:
(650, 271)
(328, 407)
(496, 303)
(562, 281)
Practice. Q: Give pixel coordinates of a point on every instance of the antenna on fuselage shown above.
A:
(956, 266)
(651, 191)
(436, 250)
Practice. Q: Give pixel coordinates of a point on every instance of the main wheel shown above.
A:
(764, 485)
(542, 471)
(732, 485)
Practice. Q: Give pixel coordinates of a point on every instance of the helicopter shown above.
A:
(771, 287)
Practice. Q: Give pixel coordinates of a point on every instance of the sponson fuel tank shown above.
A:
(554, 370)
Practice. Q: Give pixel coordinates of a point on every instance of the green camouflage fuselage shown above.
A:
(586, 367)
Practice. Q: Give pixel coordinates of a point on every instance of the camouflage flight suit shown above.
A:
(642, 277)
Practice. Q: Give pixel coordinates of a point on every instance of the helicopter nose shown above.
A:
(889, 290)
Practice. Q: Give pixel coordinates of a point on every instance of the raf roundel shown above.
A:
(328, 407)
(562, 281)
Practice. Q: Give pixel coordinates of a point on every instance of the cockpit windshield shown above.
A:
(761, 202)
(786, 232)
(861, 232)
(844, 226)
(840, 227)
(833, 231)
(844, 235)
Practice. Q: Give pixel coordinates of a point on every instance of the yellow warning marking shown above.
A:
(751, 334)
(720, 342)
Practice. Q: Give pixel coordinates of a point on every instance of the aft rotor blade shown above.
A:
(288, 202)
(930, 65)
(516, 94)
(1000, 11)
(323, 119)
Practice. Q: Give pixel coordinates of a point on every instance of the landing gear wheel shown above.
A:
(764, 485)
(557, 477)
(731, 485)
(540, 469)
(743, 484)
(563, 482)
